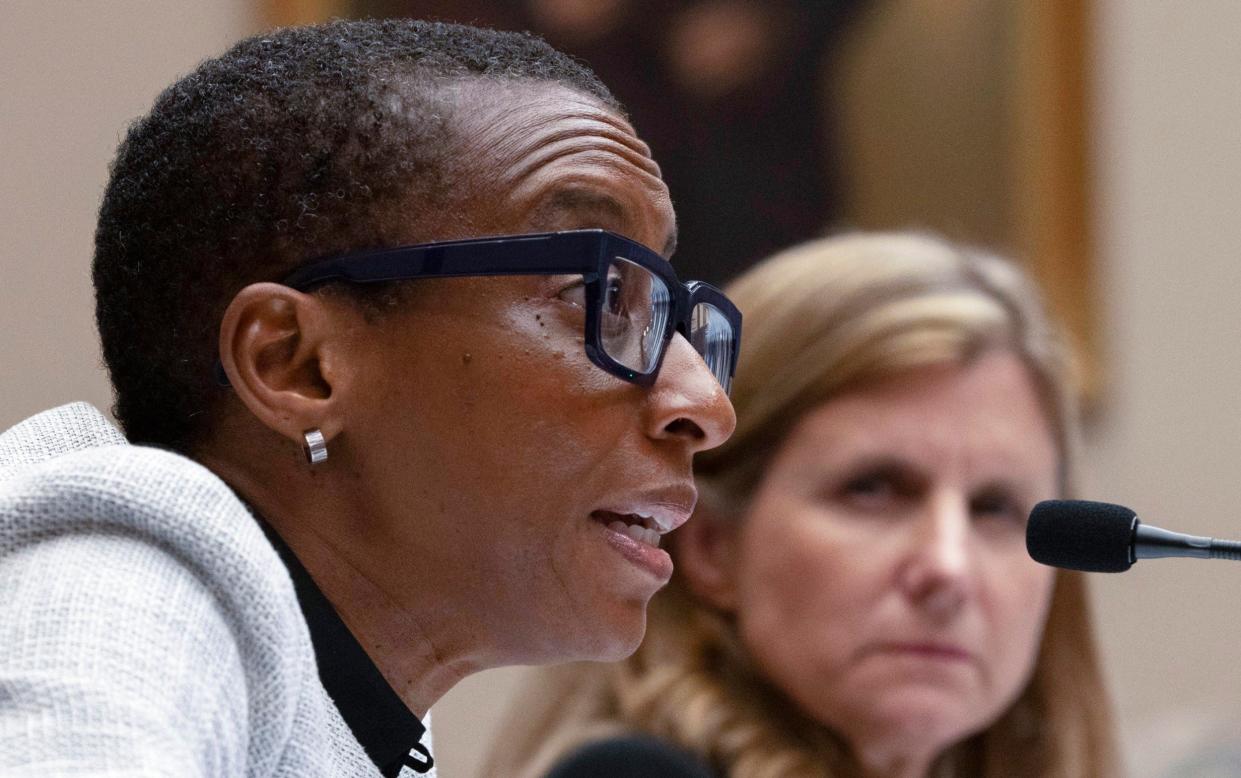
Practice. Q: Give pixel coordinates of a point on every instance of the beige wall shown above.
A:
(1169, 165)
(72, 76)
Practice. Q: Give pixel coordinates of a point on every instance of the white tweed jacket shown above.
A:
(147, 626)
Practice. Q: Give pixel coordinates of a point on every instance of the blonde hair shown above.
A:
(822, 318)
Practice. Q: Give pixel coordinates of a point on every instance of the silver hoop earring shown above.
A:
(315, 447)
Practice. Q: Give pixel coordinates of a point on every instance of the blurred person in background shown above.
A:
(408, 387)
(853, 596)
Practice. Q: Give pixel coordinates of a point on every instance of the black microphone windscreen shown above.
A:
(1095, 537)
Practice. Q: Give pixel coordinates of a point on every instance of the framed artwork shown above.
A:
(971, 118)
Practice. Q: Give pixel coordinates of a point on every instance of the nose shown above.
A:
(935, 573)
(686, 403)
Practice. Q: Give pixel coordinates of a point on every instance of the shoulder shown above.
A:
(143, 610)
(157, 514)
(136, 491)
(68, 472)
(633, 756)
(120, 655)
(52, 433)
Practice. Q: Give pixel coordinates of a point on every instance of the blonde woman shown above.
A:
(853, 596)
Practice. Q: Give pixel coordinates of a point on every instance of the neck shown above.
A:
(419, 637)
(420, 654)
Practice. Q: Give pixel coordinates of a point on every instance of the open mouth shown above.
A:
(643, 529)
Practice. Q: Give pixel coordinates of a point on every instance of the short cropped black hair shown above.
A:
(293, 144)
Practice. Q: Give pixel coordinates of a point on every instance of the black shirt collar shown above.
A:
(386, 728)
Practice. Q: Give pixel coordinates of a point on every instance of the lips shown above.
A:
(657, 510)
(634, 524)
(927, 649)
(641, 528)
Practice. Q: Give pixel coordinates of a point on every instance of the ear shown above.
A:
(273, 346)
(706, 554)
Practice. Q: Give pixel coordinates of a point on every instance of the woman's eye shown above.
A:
(869, 486)
(574, 294)
(870, 492)
(997, 505)
(881, 490)
(614, 301)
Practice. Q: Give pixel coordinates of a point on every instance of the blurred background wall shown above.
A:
(72, 77)
(1164, 235)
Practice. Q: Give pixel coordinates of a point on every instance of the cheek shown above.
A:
(801, 590)
(1019, 596)
(486, 392)
(468, 400)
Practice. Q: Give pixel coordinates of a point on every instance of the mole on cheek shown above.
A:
(466, 358)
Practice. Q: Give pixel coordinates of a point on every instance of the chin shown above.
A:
(612, 639)
(919, 716)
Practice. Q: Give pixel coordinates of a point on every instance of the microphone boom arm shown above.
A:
(1155, 543)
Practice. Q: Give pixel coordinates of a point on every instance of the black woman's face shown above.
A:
(489, 447)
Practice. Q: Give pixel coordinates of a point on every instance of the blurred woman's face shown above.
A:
(881, 579)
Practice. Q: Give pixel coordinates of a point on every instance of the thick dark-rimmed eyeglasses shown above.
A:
(634, 303)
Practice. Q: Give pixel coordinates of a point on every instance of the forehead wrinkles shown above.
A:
(521, 141)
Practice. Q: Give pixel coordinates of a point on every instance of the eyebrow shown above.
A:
(575, 200)
(887, 464)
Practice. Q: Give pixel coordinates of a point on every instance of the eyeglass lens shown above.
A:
(636, 305)
(712, 336)
(635, 309)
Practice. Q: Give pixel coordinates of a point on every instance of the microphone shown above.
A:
(1098, 537)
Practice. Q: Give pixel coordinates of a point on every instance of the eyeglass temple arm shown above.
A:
(546, 253)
